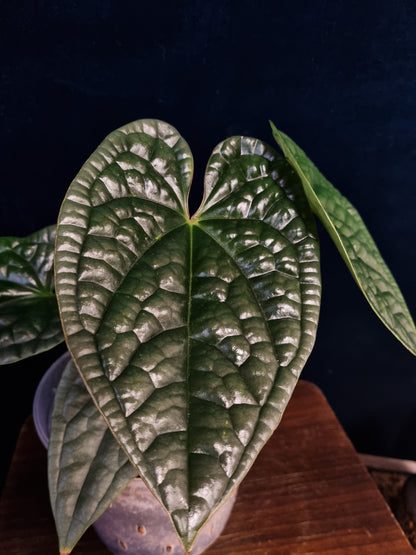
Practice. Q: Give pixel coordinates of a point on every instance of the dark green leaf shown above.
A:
(87, 468)
(355, 244)
(190, 333)
(29, 318)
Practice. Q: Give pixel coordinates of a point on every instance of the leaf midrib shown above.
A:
(188, 370)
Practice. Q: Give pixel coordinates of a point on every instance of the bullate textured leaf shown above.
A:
(29, 317)
(190, 332)
(87, 468)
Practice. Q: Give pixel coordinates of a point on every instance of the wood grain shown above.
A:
(307, 492)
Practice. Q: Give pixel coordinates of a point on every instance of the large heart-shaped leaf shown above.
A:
(190, 333)
(87, 468)
(29, 317)
(354, 243)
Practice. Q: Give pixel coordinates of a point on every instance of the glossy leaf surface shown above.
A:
(29, 317)
(190, 333)
(355, 244)
(87, 468)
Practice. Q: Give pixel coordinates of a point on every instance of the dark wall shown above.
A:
(339, 77)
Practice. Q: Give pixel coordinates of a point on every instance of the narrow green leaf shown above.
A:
(29, 317)
(190, 333)
(355, 244)
(87, 468)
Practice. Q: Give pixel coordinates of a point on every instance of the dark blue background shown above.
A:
(339, 77)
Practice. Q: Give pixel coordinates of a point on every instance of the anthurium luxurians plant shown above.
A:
(187, 333)
(199, 324)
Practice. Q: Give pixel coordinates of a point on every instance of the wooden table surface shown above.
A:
(307, 492)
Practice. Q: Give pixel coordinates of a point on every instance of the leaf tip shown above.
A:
(278, 136)
(272, 125)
